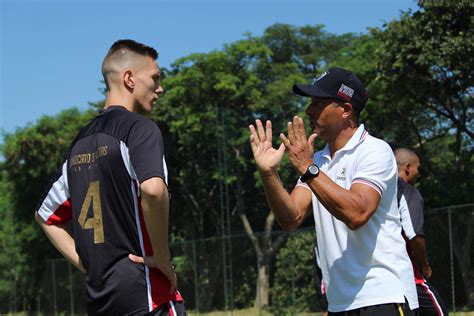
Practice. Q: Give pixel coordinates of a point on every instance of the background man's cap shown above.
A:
(336, 83)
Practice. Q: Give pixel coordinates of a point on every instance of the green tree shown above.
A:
(33, 154)
(294, 289)
(10, 256)
(211, 99)
(425, 85)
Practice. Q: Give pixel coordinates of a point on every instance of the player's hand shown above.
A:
(266, 157)
(165, 267)
(427, 272)
(300, 148)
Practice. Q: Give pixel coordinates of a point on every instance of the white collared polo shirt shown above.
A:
(370, 265)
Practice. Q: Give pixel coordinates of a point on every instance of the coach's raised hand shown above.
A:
(266, 157)
(300, 148)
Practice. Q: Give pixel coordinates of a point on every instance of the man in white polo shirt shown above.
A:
(351, 187)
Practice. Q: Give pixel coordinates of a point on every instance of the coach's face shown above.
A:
(324, 115)
(147, 85)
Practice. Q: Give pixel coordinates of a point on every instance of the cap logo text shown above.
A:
(345, 92)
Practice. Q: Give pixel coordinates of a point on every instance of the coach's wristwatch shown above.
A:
(311, 172)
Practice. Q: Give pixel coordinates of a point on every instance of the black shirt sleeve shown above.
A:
(415, 205)
(146, 150)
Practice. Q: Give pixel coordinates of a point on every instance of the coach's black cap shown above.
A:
(336, 83)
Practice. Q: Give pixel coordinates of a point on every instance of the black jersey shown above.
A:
(410, 204)
(99, 190)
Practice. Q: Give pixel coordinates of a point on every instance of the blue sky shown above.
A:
(51, 50)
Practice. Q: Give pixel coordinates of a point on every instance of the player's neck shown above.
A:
(114, 98)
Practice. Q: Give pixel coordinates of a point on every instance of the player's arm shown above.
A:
(413, 205)
(146, 150)
(61, 238)
(155, 204)
(54, 217)
(418, 244)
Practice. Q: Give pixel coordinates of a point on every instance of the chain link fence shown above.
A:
(289, 273)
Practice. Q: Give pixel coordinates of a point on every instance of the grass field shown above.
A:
(256, 312)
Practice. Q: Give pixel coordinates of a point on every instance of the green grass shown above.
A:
(253, 312)
(256, 312)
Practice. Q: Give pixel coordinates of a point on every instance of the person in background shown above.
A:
(411, 211)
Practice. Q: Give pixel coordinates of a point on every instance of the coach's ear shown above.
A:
(347, 110)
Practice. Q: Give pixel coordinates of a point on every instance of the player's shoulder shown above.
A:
(410, 190)
(135, 121)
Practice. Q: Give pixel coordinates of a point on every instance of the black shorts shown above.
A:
(429, 300)
(391, 309)
(172, 308)
(320, 289)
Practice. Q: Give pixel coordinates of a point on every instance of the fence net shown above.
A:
(282, 283)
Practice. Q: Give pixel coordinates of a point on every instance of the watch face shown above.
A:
(313, 169)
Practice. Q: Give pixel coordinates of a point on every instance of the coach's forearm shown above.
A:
(61, 238)
(286, 211)
(354, 207)
(155, 205)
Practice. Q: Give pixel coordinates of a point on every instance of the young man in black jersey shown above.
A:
(107, 212)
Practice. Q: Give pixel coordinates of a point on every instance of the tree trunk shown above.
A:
(262, 298)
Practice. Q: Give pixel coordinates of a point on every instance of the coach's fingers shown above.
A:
(285, 141)
(291, 133)
(260, 130)
(311, 139)
(254, 140)
(268, 131)
(298, 124)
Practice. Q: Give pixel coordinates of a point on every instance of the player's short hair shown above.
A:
(124, 52)
(404, 156)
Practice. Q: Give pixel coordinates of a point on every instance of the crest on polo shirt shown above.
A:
(341, 174)
(345, 92)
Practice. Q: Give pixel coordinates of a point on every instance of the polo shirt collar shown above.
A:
(356, 139)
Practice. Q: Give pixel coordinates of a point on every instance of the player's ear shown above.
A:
(407, 169)
(129, 79)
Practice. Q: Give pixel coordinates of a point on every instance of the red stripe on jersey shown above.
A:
(170, 310)
(159, 283)
(62, 214)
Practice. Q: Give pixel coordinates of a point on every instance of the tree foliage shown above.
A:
(293, 290)
(418, 71)
(33, 155)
